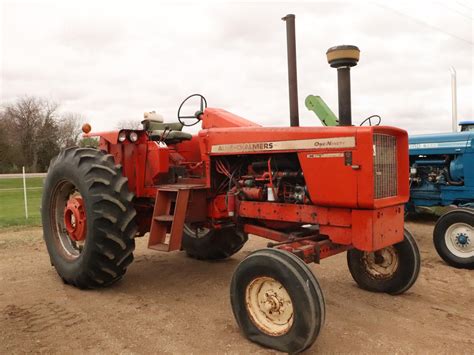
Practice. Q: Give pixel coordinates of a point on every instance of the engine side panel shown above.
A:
(330, 181)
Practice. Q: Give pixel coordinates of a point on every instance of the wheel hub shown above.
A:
(75, 218)
(462, 240)
(458, 240)
(269, 306)
(381, 264)
(272, 304)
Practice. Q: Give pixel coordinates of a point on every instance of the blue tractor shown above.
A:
(442, 174)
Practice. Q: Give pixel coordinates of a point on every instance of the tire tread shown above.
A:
(113, 224)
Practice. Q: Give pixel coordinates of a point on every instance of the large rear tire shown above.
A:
(453, 237)
(88, 218)
(277, 301)
(212, 244)
(393, 269)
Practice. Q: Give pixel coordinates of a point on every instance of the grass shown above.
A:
(12, 209)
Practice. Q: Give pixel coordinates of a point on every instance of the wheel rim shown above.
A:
(459, 238)
(68, 220)
(196, 231)
(381, 264)
(75, 218)
(269, 306)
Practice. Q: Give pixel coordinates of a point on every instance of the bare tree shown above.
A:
(10, 152)
(28, 115)
(69, 129)
(129, 124)
(32, 131)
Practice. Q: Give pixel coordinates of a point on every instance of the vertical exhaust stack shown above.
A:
(343, 58)
(292, 74)
(454, 101)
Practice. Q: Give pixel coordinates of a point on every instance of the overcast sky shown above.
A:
(113, 61)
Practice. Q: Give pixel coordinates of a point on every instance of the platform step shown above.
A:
(177, 187)
(169, 215)
(164, 218)
(160, 247)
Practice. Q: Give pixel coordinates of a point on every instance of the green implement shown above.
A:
(319, 107)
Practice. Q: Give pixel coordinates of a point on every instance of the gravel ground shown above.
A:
(168, 303)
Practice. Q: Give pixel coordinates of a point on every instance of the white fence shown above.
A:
(19, 198)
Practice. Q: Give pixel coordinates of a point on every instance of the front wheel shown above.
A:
(393, 269)
(453, 237)
(277, 301)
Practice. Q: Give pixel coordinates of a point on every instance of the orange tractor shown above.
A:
(313, 191)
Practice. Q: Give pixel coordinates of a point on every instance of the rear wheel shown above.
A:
(212, 244)
(453, 237)
(393, 269)
(88, 218)
(277, 301)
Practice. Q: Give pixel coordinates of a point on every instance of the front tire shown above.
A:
(276, 300)
(393, 269)
(88, 218)
(453, 237)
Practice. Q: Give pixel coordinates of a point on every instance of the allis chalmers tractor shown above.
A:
(313, 191)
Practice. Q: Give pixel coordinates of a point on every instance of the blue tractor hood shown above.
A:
(441, 143)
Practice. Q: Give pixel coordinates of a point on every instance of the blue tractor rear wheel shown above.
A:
(453, 237)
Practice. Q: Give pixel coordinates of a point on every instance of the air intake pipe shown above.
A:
(343, 58)
(292, 75)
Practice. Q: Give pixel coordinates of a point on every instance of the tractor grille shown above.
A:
(385, 166)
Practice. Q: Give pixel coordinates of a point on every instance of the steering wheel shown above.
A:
(370, 120)
(197, 114)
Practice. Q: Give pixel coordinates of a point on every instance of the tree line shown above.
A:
(33, 131)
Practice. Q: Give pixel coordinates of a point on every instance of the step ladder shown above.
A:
(171, 212)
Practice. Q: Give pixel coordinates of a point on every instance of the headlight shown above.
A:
(122, 136)
(133, 136)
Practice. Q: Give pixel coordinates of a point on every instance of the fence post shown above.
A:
(24, 193)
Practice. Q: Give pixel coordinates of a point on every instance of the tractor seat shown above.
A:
(171, 137)
(173, 132)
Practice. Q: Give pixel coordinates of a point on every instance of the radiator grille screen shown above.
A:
(385, 166)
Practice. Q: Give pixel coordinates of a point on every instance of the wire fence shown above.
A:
(20, 199)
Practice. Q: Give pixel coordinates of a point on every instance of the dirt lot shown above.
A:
(168, 303)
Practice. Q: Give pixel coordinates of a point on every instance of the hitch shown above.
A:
(309, 248)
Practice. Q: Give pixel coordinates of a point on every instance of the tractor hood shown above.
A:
(441, 143)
